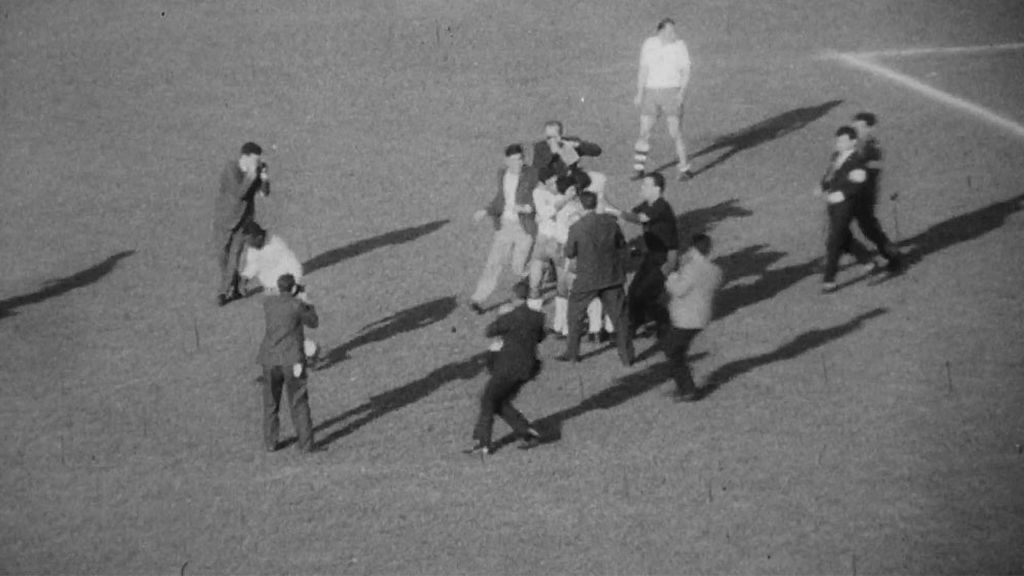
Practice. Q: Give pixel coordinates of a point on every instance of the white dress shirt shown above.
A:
(269, 263)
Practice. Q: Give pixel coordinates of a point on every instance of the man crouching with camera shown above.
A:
(283, 359)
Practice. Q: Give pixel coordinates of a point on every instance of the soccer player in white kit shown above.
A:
(660, 89)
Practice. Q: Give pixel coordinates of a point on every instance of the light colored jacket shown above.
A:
(692, 291)
(269, 263)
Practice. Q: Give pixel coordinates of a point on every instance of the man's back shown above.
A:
(692, 290)
(270, 262)
(285, 317)
(520, 330)
(596, 242)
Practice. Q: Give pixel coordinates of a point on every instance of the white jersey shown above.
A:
(665, 62)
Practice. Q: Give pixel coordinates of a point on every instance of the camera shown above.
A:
(261, 174)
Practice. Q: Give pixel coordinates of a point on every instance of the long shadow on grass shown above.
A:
(757, 134)
(407, 320)
(624, 389)
(61, 286)
(398, 398)
(332, 257)
(788, 351)
(638, 383)
(756, 261)
(962, 228)
(698, 221)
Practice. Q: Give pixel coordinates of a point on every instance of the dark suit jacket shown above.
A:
(235, 200)
(520, 330)
(285, 317)
(596, 242)
(524, 195)
(542, 155)
(871, 152)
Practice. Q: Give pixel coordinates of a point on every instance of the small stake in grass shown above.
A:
(711, 496)
(896, 215)
(824, 369)
(195, 330)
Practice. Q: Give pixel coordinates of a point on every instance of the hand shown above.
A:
(643, 218)
(479, 215)
(264, 176)
(525, 209)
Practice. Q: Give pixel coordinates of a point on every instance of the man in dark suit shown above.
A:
(864, 202)
(596, 243)
(841, 184)
(512, 365)
(511, 210)
(239, 182)
(661, 250)
(284, 362)
(561, 153)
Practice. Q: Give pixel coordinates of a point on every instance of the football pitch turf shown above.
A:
(875, 430)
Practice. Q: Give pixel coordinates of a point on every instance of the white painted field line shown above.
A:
(942, 50)
(934, 93)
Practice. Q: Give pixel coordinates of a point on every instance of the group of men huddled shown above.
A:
(550, 216)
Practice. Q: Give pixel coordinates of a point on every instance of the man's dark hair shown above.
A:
(577, 178)
(285, 283)
(561, 128)
(846, 131)
(251, 148)
(588, 199)
(702, 242)
(658, 178)
(665, 22)
(513, 149)
(866, 117)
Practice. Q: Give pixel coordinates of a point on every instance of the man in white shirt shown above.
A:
(547, 250)
(267, 258)
(660, 89)
(691, 292)
(511, 211)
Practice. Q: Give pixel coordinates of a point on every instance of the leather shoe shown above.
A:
(476, 307)
(480, 448)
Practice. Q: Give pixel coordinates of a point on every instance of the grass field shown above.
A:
(877, 430)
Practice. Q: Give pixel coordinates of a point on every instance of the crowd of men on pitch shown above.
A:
(552, 221)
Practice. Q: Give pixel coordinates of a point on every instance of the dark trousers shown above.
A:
(864, 216)
(230, 261)
(276, 378)
(497, 399)
(613, 300)
(840, 239)
(646, 291)
(676, 344)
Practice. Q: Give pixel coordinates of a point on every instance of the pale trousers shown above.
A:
(509, 240)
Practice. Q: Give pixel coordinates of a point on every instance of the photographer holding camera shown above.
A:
(235, 208)
(283, 359)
